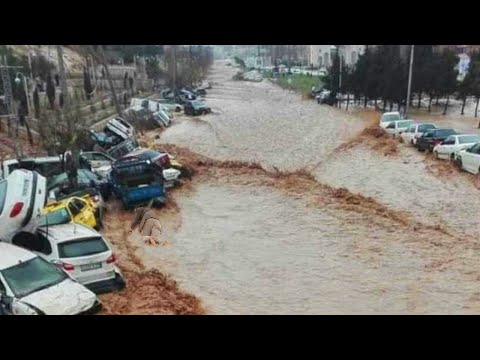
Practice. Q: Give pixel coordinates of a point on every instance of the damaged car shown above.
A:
(30, 285)
(23, 195)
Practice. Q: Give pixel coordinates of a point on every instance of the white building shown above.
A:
(321, 55)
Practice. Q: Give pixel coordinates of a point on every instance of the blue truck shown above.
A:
(137, 182)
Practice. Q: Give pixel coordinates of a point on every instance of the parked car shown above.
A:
(120, 127)
(433, 137)
(170, 104)
(44, 165)
(30, 285)
(102, 139)
(123, 149)
(469, 159)
(85, 178)
(137, 182)
(388, 117)
(22, 198)
(80, 251)
(97, 162)
(448, 148)
(415, 131)
(161, 119)
(195, 108)
(71, 210)
(398, 127)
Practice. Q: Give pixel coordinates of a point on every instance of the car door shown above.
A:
(447, 146)
(468, 158)
(81, 212)
(475, 159)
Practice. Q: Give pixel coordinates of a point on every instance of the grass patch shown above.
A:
(299, 83)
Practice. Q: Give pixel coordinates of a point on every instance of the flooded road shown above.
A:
(247, 241)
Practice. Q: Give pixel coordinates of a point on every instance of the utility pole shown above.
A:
(407, 105)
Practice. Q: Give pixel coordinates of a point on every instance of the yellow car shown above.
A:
(73, 209)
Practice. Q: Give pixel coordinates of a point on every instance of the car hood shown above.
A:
(66, 298)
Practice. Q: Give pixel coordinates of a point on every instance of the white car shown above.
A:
(79, 250)
(415, 131)
(23, 195)
(448, 148)
(30, 285)
(469, 159)
(97, 162)
(45, 165)
(398, 127)
(389, 117)
(121, 127)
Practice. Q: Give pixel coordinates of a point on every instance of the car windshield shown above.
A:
(57, 217)
(83, 247)
(390, 117)
(425, 127)
(404, 124)
(445, 133)
(3, 194)
(469, 139)
(32, 276)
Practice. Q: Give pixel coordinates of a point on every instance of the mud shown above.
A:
(148, 291)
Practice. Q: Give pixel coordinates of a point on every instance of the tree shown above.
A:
(36, 103)
(87, 84)
(51, 91)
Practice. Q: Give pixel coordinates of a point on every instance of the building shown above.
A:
(321, 55)
(461, 49)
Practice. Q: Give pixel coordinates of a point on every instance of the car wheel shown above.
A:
(452, 157)
(435, 153)
(459, 163)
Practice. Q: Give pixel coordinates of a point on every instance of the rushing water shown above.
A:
(246, 249)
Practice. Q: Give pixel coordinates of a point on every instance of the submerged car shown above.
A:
(196, 108)
(30, 285)
(388, 117)
(433, 137)
(469, 159)
(80, 251)
(398, 127)
(448, 148)
(415, 131)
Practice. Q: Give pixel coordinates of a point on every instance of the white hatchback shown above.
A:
(22, 198)
(79, 250)
(448, 148)
(30, 285)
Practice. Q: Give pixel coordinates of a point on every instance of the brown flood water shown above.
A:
(245, 242)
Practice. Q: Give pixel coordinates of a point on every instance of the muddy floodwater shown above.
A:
(397, 238)
(254, 250)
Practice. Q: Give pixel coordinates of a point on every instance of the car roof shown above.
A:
(67, 232)
(462, 135)
(11, 255)
(391, 113)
